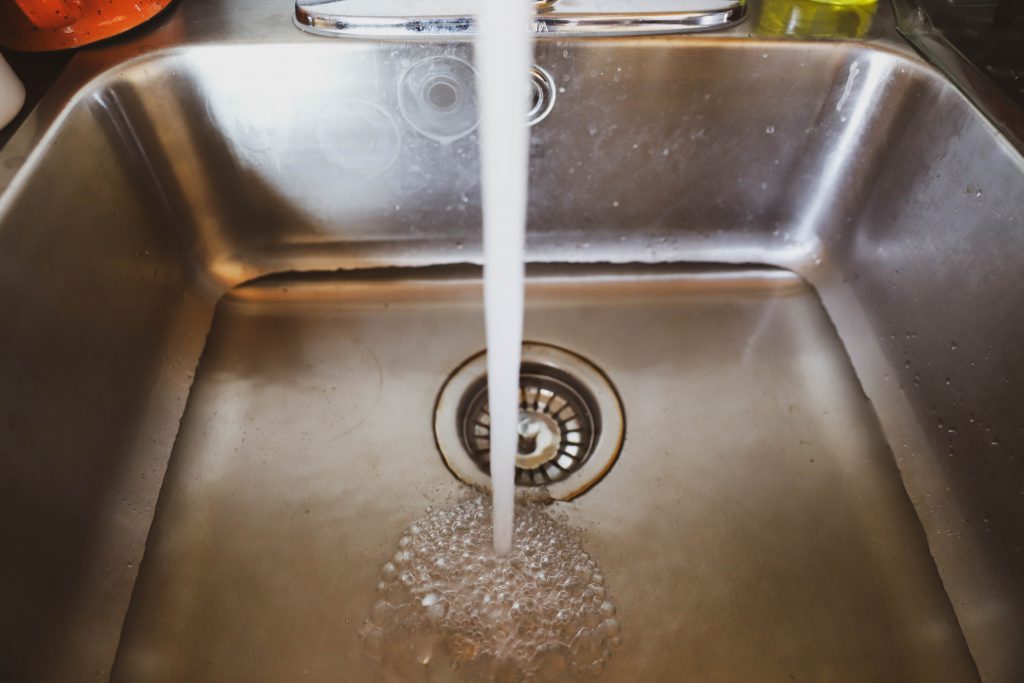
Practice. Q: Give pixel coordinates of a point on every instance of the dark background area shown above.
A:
(989, 34)
(38, 71)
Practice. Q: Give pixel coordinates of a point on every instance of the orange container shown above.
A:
(40, 25)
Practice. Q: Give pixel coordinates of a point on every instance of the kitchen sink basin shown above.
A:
(236, 278)
(754, 526)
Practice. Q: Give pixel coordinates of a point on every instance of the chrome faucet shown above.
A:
(454, 18)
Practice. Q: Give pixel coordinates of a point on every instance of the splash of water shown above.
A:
(503, 56)
(449, 608)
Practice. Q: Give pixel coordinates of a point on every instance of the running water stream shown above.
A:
(503, 56)
(488, 590)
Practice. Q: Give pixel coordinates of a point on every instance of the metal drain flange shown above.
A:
(571, 424)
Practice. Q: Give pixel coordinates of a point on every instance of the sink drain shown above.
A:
(571, 424)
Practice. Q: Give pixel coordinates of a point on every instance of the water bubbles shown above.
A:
(770, 130)
(608, 628)
(451, 605)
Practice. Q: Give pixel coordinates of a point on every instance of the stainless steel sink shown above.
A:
(236, 277)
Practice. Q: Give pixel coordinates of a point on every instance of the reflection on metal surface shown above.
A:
(754, 527)
(542, 95)
(145, 197)
(572, 424)
(815, 19)
(454, 18)
(358, 136)
(437, 96)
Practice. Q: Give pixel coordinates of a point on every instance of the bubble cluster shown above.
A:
(450, 609)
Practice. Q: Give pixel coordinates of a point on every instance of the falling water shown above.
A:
(485, 590)
(448, 609)
(503, 57)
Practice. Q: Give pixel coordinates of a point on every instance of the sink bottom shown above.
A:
(755, 526)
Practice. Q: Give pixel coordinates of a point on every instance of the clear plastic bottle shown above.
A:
(12, 93)
(816, 18)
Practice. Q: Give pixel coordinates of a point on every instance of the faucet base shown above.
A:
(450, 19)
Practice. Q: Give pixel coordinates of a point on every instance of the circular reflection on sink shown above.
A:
(437, 96)
(359, 136)
(254, 125)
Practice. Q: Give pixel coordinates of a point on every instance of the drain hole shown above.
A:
(442, 95)
(571, 424)
(558, 425)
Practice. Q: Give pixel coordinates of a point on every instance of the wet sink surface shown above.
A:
(764, 521)
(755, 526)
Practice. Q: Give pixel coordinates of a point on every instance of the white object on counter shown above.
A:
(12, 93)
